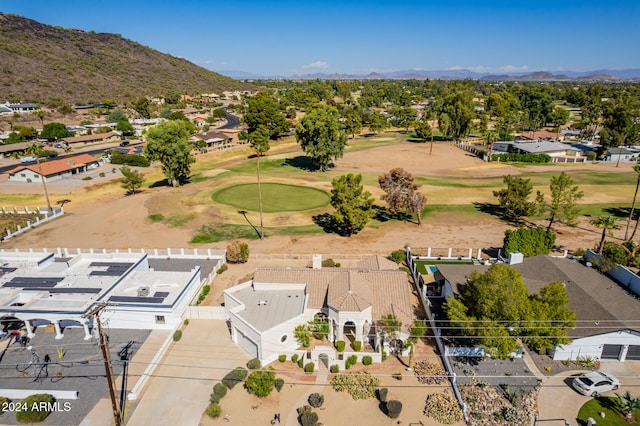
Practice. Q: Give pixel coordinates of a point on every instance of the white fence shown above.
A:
(187, 253)
(622, 275)
(48, 215)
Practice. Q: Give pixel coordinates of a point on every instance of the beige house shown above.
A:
(264, 312)
(96, 138)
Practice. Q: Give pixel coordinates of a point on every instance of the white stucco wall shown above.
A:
(592, 346)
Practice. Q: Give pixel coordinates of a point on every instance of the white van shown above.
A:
(28, 159)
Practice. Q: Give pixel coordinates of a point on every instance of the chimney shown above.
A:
(317, 261)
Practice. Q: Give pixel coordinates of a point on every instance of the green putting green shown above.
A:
(276, 197)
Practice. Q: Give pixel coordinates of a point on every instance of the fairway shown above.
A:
(276, 197)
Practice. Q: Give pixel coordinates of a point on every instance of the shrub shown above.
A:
(591, 156)
(328, 263)
(40, 413)
(382, 394)
(177, 335)
(358, 385)
(307, 417)
(301, 362)
(353, 359)
(334, 369)
(220, 390)
(237, 252)
(529, 242)
(3, 404)
(282, 358)
(302, 333)
(87, 178)
(394, 408)
(294, 357)
(214, 411)
(102, 174)
(186, 321)
(397, 376)
(279, 384)
(214, 399)
(367, 360)
(131, 160)
(340, 344)
(357, 345)
(234, 377)
(254, 364)
(397, 256)
(309, 367)
(316, 400)
(443, 408)
(261, 382)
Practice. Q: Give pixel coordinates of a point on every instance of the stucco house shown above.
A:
(54, 169)
(143, 290)
(212, 138)
(95, 138)
(264, 311)
(607, 315)
(551, 148)
(622, 155)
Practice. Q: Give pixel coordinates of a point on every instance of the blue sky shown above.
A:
(305, 36)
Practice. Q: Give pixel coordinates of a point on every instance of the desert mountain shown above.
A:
(49, 64)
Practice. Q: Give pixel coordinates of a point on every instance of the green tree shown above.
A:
(404, 117)
(456, 112)
(53, 131)
(391, 325)
(125, 127)
(40, 114)
(263, 110)
(259, 140)
(354, 206)
(559, 117)
(514, 199)
(167, 143)
(132, 181)
(529, 242)
(423, 129)
(35, 150)
(303, 335)
(401, 192)
(562, 205)
(621, 121)
(116, 115)
(321, 136)
(143, 107)
(377, 122)
(608, 224)
(353, 122)
(636, 169)
(261, 382)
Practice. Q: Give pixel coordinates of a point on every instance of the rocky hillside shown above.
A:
(49, 64)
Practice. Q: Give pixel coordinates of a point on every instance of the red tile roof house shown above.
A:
(55, 169)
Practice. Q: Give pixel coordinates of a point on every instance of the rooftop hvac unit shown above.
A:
(143, 291)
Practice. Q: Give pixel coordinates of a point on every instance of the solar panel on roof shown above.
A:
(5, 270)
(162, 294)
(134, 299)
(28, 285)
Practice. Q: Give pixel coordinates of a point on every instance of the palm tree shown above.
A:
(608, 224)
(34, 150)
(633, 203)
(40, 114)
(628, 404)
(259, 140)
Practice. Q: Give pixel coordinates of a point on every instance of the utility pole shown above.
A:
(104, 347)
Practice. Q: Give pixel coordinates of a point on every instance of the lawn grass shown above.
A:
(276, 197)
(226, 232)
(156, 217)
(178, 220)
(606, 405)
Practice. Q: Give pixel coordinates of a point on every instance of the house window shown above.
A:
(23, 174)
(159, 319)
(283, 338)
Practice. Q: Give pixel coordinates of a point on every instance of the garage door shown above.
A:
(633, 352)
(247, 344)
(611, 351)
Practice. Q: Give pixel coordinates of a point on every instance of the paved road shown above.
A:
(233, 121)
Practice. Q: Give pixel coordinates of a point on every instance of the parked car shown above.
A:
(28, 159)
(125, 143)
(58, 145)
(594, 383)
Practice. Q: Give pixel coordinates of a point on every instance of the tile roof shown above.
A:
(53, 167)
(377, 263)
(87, 138)
(388, 292)
(596, 299)
(211, 135)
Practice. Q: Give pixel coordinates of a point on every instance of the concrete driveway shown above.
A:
(558, 400)
(179, 391)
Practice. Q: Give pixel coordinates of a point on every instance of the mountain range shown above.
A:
(50, 65)
(596, 75)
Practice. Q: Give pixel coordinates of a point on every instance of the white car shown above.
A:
(594, 383)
